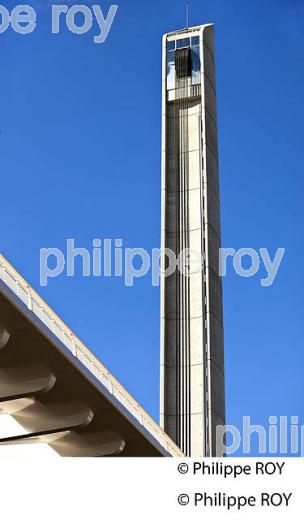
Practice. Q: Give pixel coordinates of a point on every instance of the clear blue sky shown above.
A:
(80, 158)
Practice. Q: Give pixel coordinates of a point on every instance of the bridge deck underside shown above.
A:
(45, 388)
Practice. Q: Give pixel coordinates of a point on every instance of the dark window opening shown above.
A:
(183, 63)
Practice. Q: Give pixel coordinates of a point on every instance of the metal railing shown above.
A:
(39, 307)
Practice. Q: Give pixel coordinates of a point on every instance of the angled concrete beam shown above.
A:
(32, 437)
(4, 337)
(86, 444)
(48, 424)
(14, 406)
(19, 382)
(68, 443)
(41, 419)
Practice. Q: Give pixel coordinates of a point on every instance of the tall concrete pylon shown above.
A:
(192, 350)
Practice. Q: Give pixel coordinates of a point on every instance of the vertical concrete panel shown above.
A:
(216, 385)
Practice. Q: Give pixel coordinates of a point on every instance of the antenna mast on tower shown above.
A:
(187, 14)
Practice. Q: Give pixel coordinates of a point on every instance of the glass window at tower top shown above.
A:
(196, 66)
(194, 43)
(183, 43)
